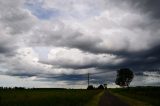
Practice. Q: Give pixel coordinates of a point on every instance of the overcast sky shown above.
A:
(55, 43)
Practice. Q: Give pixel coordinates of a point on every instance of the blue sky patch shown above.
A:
(39, 11)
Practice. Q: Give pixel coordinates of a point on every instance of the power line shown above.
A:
(88, 79)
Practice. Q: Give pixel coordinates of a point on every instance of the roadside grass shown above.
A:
(46, 97)
(95, 100)
(130, 101)
(139, 96)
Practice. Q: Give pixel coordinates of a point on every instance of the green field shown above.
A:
(46, 97)
(145, 95)
(137, 96)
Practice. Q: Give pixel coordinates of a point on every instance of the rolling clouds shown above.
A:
(57, 41)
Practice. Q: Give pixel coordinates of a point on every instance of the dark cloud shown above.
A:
(95, 78)
(144, 60)
(7, 48)
(21, 75)
(4, 49)
(148, 6)
(94, 44)
(138, 61)
(123, 33)
(15, 18)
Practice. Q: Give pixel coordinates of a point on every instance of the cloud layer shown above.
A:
(52, 40)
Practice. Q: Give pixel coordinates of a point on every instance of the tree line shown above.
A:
(123, 79)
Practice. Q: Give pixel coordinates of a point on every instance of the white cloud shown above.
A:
(24, 63)
(76, 9)
(113, 29)
(74, 58)
(145, 81)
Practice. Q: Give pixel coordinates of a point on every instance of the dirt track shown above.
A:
(108, 99)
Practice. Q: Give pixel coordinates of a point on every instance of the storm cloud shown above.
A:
(59, 41)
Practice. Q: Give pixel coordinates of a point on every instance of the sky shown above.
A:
(55, 43)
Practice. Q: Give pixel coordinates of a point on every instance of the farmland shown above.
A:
(46, 97)
(134, 96)
(147, 95)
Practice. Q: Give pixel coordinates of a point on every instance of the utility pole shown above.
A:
(88, 79)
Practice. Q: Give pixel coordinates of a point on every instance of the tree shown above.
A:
(124, 77)
(90, 87)
(100, 87)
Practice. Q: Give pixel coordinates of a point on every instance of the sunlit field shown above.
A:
(46, 97)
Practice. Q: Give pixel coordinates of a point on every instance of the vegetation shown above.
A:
(90, 87)
(95, 100)
(100, 87)
(139, 96)
(124, 77)
(46, 97)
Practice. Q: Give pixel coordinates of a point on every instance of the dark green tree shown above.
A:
(90, 87)
(124, 77)
(100, 87)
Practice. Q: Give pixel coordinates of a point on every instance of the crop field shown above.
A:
(149, 95)
(46, 97)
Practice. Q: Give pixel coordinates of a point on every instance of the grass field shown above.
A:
(148, 95)
(46, 97)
